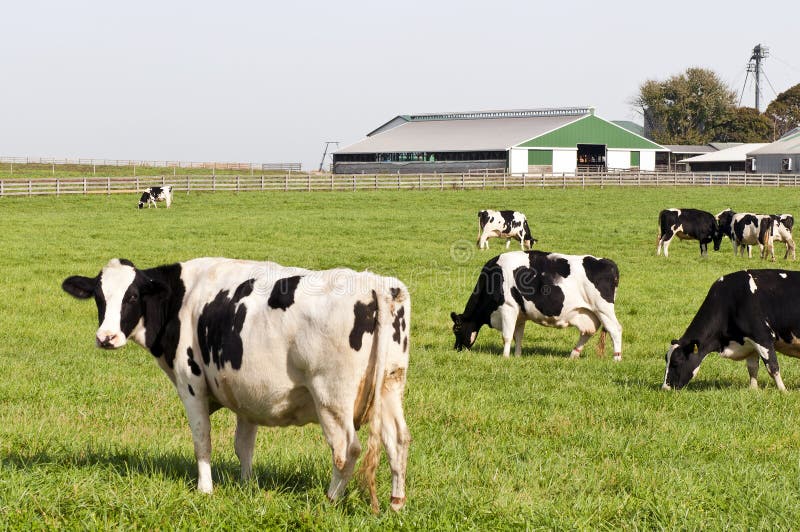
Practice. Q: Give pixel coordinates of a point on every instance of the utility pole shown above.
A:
(759, 54)
(325, 153)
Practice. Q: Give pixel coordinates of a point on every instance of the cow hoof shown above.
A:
(617, 357)
(575, 354)
(397, 503)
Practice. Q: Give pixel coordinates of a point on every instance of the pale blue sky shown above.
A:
(270, 82)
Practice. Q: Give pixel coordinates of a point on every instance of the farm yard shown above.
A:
(99, 439)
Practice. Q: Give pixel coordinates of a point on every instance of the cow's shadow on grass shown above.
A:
(281, 476)
(696, 386)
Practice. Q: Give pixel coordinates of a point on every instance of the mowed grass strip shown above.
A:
(98, 439)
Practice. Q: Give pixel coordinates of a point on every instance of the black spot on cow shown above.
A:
(163, 292)
(483, 218)
(741, 223)
(537, 283)
(191, 390)
(282, 295)
(395, 293)
(405, 344)
(603, 274)
(192, 364)
(508, 221)
(366, 316)
(399, 324)
(220, 325)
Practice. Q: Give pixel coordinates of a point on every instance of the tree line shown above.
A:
(697, 107)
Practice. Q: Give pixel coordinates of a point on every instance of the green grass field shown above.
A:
(98, 439)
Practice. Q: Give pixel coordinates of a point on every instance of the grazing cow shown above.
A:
(152, 195)
(687, 224)
(504, 224)
(748, 315)
(782, 232)
(548, 288)
(278, 346)
(746, 229)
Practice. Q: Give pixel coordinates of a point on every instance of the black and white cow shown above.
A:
(748, 315)
(152, 195)
(547, 288)
(782, 232)
(278, 346)
(746, 229)
(687, 224)
(504, 224)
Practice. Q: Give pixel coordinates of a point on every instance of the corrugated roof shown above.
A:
(690, 148)
(463, 134)
(633, 127)
(737, 153)
(788, 145)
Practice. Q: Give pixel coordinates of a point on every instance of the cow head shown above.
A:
(465, 331)
(122, 294)
(683, 360)
(529, 242)
(724, 226)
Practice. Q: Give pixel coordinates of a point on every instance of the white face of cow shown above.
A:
(117, 290)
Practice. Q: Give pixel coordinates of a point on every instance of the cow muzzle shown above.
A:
(109, 340)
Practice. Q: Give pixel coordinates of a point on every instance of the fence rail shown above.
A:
(338, 182)
(151, 164)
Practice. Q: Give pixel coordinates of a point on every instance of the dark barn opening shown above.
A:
(592, 157)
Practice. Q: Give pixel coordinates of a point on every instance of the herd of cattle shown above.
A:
(285, 346)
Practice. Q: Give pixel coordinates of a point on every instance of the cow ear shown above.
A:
(79, 286)
(673, 342)
(454, 317)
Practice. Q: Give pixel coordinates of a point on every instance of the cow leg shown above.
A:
(610, 324)
(508, 324)
(508, 242)
(576, 351)
(243, 443)
(395, 435)
(749, 251)
(658, 246)
(665, 241)
(703, 249)
(770, 360)
(752, 369)
(200, 423)
(790, 248)
(519, 331)
(337, 425)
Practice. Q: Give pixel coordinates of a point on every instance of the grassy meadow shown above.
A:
(97, 439)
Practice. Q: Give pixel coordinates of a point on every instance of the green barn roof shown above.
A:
(591, 130)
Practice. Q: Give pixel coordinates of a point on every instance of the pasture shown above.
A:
(99, 439)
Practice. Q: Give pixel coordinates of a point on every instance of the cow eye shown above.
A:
(133, 298)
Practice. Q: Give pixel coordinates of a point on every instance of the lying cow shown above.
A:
(278, 346)
(152, 195)
(746, 229)
(504, 224)
(687, 224)
(746, 315)
(547, 288)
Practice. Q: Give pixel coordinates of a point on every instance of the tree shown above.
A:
(686, 108)
(785, 110)
(744, 124)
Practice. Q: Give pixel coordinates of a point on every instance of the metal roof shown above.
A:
(787, 145)
(737, 153)
(690, 148)
(633, 127)
(470, 131)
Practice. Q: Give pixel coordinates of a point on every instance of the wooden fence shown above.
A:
(52, 161)
(333, 182)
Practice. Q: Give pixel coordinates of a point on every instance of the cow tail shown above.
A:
(601, 342)
(369, 465)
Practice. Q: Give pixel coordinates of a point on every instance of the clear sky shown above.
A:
(272, 81)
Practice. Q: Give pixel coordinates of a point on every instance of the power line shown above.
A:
(770, 83)
(785, 63)
(744, 86)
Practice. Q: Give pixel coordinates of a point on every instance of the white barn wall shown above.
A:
(647, 161)
(518, 161)
(565, 161)
(618, 159)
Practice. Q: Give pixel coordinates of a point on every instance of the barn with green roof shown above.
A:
(525, 141)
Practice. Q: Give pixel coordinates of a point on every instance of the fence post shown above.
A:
(563, 180)
(398, 180)
(30, 187)
(1, 187)
(108, 184)
(54, 168)
(188, 184)
(237, 183)
(420, 181)
(58, 187)
(163, 181)
(213, 182)
(462, 179)
(262, 182)
(285, 182)
(441, 181)
(376, 181)
(84, 186)
(137, 185)
(309, 182)
(354, 182)
(504, 180)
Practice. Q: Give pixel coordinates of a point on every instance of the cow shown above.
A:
(276, 345)
(504, 224)
(782, 232)
(747, 315)
(746, 229)
(152, 195)
(550, 289)
(687, 224)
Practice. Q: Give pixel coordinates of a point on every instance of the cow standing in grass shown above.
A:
(747, 315)
(278, 346)
(504, 224)
(746, 229)
(687, 224)
(547, 288)
(152, 195)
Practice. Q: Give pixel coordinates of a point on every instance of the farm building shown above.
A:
(782, 156)
(560, 140)
(726, 160)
